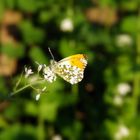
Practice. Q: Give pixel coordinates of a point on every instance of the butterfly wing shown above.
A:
(71, 68)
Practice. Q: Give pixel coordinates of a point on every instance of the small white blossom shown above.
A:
(57, 137)
(118, 100)
(122, 132)
(50, 78)
(123, 88)
(49, 75)
(66, 25)
(40, 66)
(44, 89)
(124, 40)
(37, 97)
(28, 72)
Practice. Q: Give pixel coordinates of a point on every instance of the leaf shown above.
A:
(49, 111)
(10, 49)
(28, 5)
(129, 24)
(31, 34)
(36, 54)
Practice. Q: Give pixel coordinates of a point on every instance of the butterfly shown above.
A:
(71, 69)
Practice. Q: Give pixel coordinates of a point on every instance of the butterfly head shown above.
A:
(52, 62)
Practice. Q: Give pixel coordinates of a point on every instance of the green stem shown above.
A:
(41, 132)
(136, 90)
(17, 84)
(41, 127)
(136, 82)
(28, 85)
(75, 89)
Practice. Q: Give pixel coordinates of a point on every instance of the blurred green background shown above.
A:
(105, 105)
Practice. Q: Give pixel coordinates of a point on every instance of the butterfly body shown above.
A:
(70, 69)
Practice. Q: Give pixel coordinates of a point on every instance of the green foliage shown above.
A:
(3, 88)
(31, 34)
(10, 49)
(17, 131)
(29, 5)
(38, 55)
(128, 24)
(65, 47)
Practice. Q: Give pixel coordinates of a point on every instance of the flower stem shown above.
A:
(136, 82)
(41, 127)
(26, 86)
(18, 82)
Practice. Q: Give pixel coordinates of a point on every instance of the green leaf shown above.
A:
(129, 24)
(10, 49)
(131, 5)
(45, 16)
(67, 47)
(2, 9)
(49, 111)
(36, 54)
(31, 34)
(17, 131)
(31, 108)
(28, 5)
(107, 3)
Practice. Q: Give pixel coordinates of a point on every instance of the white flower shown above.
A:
(123, 88)
(28, 72)
(49, 75)
(122, 132)
(37, 97)
(40, 66)
(66, 25)
(57, 137)
(124, 40)
(118, 100)
(44, 89)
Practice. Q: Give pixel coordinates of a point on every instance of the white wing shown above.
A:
(71, 68)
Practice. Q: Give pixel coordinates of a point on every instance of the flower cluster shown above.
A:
(49, 75)
(28, 72)
(122, 132)
(35, 80)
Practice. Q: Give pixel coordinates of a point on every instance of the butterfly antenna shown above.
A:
(51, 53)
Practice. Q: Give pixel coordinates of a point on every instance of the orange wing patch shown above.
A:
(78, 60)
